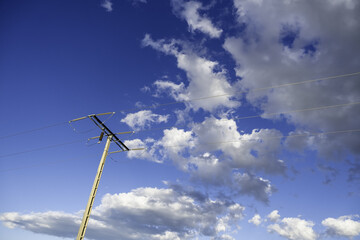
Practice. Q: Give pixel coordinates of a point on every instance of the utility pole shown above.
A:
(111, 137)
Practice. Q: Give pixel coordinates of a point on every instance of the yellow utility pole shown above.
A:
(111, 137)
(94, 189)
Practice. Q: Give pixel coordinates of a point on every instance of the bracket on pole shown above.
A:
(104, 129)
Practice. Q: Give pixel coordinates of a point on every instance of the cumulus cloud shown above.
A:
(294, 229)
(258, 150)
(190, 12)
(257, 187)
(143, 119)
(147, 153)
(58, 224)
(215, 153)
(107, 4)
(256, 220)
(143, 213)
(206, 78)
(274, 216)
(291, 41)
(344, 226)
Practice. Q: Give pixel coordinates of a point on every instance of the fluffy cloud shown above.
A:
(257, 150)
(290, 41)
(147, 153)
(190, 12)
(143, 213)
(274, 216)
(206, 78)
(345, 226)
(256, 220)
(143, 119)
(58, 224)
(294, 229)
(214, 152)
(257, 187)
(107, 4)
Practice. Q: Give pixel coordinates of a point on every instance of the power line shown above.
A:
(206, 143)
(299, 110)
(252, 90)
(269, 138)
(41, 164)
(33, 130)
(262, 115)
(306, 81)
(41, 148)
(190, 100)
(163, 128)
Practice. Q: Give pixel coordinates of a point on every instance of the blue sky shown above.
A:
(248, 110)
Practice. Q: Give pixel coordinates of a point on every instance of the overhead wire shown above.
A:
(265, 138)
(251, 90)
(41, 148)
(41, 164)
(189, 100)
(260, 115)
(33, 130)
(170, 127)
(298, 110)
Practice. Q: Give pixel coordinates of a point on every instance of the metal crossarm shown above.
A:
(108, 132)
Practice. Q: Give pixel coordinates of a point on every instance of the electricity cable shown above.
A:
(262, 115)
(252, 90)
(43, 164)
(194, 99)
(41, 148)
(33, 130)
(265, 138)
(162, 128)
(202, 143)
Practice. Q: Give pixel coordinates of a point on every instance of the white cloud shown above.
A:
(107, 4)
(256, 220)
(258, 150)
(206, 78)
(147, 153)
(274, 216)
(190, 12)
(294, 229)
(58, 224)
(254, 186)
(143, 119)
(290, 41)
(214, 152)
(345, 226)
(143, 213)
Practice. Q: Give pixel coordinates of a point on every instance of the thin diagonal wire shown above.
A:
(252, 90)
(33, 130)
(298, 110)
(41, 164)
(269, 138)
(194, 99)
(41, 148)
(306, 81)
(262, 115)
